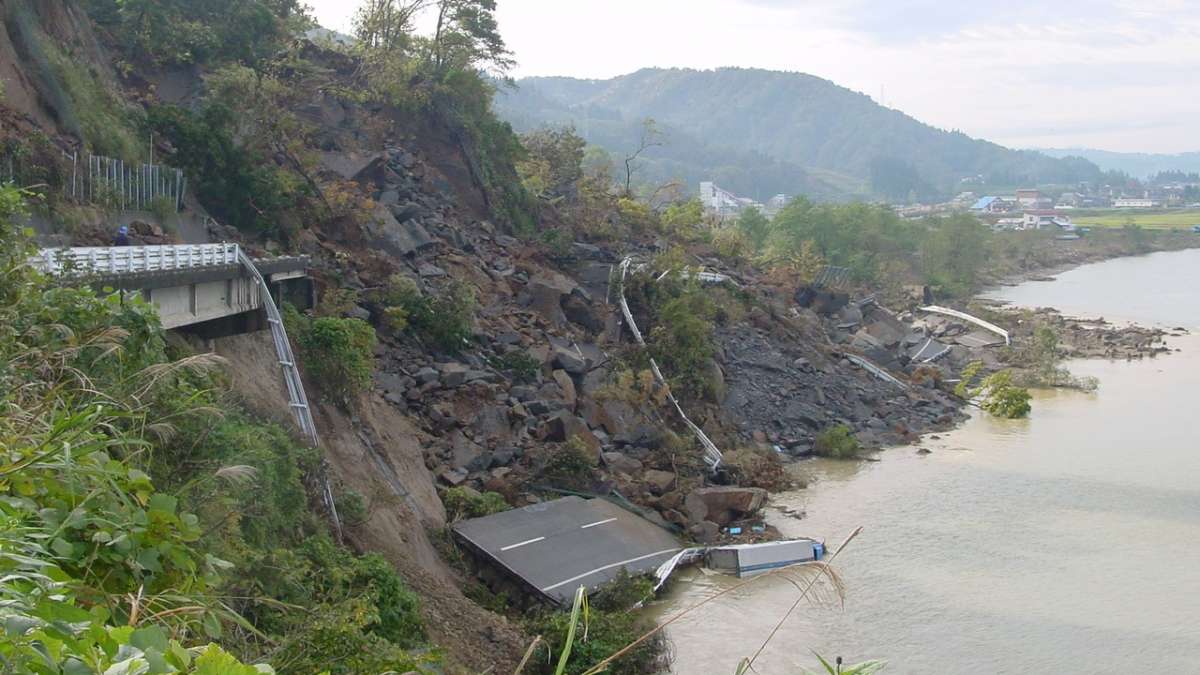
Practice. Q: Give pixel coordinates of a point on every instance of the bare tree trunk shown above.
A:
(443, 7)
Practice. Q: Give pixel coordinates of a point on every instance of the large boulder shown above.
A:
(398, 239)
(564, 426)
(622, 463)
(546, 292)
(464, 451)
(564, 381)
(887, 333)
(659, 482)
(723, 505)
(570, 360)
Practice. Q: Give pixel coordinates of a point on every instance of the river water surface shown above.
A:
(1065, 543)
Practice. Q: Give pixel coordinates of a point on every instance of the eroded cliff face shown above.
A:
(31, 87)
(379, 453)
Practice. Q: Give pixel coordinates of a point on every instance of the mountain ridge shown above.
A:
(1136, 164)
(795, 118)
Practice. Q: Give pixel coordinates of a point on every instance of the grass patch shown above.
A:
(1151, 219)
(103, 121)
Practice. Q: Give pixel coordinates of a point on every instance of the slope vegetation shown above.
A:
(795, 119)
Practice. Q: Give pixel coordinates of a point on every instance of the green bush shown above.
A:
(624, 592)
(237, 182)
(995, 393)
(837, 442)
(1002, 398)
(352, 508)
(606, 632)
(177, 32)
(681, 342)
(339, 353)
(569, 465)
(463, 502)
(519, 365)
(444, 320)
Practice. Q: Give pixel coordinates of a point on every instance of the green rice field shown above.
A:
(1157, 219)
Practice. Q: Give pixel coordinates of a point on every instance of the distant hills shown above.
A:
(760, 132)
(1136, 164)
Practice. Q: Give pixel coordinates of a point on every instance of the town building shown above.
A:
(1069, 200)
(725, 204)
(1042, 219)
(1133, 203)
(1029, 198)
(992, 204)
(1008, 224)
(775, 204)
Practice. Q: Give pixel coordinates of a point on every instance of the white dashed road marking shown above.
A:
(598, 522)
(520, 544)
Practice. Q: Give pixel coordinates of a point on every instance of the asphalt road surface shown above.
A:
(560, 545)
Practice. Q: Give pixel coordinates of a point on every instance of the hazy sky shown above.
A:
(1111, 74)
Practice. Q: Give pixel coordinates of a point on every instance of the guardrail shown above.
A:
(934, 309)
(712, 454)
(875, 370)
(89, 260)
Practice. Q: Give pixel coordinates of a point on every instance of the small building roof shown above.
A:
(983, 203)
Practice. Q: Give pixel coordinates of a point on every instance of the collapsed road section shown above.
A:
(552, 548)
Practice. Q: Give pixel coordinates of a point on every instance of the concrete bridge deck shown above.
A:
(201, 287)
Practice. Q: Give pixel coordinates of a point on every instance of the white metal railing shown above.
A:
(712, 454)
(133, 259)
(934, 309)
(875, 370)
(297, 399)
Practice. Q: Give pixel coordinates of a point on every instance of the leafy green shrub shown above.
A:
(681, 342)
(730, 243)
(337, 302)
(996, 393)
(684, 219)
(519, 365)
(837, 442)
(623, 593)
(1003, 399)
(364, 616)
(445, 319)
(173, 32)
(352, 508)
(339, 353)
(569, 465)
(463, 502)
(605, 633)
(755, 227)
(162, 208)
(235, 181)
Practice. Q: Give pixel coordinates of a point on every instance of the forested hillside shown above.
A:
(1136, 164)
(721, 122)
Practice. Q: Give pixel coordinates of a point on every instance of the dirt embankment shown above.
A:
(378, 453)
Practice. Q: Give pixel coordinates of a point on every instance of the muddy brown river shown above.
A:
(1065, 543)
